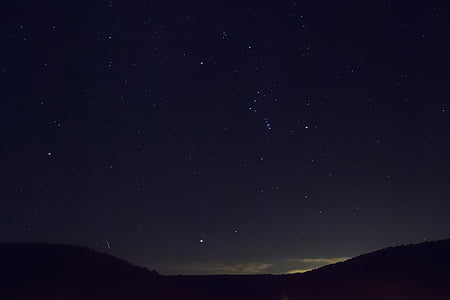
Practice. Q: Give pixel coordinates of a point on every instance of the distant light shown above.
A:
(49, 154)
(201, 241)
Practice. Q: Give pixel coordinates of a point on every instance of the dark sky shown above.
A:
(214, 137)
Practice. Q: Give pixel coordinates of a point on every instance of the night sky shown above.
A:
(198, 137)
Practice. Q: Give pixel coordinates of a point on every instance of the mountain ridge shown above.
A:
(58, 271)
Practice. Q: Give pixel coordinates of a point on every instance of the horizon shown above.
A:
(237, 269)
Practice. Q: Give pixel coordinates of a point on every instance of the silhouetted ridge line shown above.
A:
(60, 257)
(42, 271)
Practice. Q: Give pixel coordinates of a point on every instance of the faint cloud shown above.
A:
(301, 265)
(281, 266)
(299, 271)
(203, 268)
(246, 268)
(331, 260)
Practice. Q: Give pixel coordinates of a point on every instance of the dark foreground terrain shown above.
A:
(40, 271)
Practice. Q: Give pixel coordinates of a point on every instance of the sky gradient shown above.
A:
(208, 137)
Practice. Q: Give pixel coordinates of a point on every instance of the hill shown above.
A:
(46, 271)
(420, 271)
(41, 271)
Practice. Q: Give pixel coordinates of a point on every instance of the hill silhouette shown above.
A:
(46, 271)
(43, 271)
